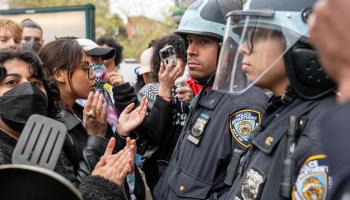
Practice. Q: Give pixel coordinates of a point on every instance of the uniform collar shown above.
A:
(211, 99)
(266, 138)
(276, 102)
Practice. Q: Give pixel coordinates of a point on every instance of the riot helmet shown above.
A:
(260, 39)
(207, 18)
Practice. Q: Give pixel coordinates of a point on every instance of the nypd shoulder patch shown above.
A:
(313, 181)
(242, 124)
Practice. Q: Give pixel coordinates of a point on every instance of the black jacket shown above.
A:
(160, 129)
(91, 187)
(260, 173)
(84, 150)
(335, 141)
(158, 124)
(162, 126)
(218, 124)
(123, 96)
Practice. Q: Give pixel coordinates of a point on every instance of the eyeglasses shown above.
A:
(87, 68)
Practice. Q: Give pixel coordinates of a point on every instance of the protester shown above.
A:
(70, 68)
(32, 36)
(167, 109)
(146, 69)
(113, 63)
(24, 91)
(10, 35)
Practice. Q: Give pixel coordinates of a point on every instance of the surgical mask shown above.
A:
(31, 46)
(19, 103)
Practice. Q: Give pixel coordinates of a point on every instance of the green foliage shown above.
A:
(141, 32)
(104, 20)
(144, 30)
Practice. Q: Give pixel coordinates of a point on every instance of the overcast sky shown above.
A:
(154, 9)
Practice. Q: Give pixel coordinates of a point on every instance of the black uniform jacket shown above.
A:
(260, 173)
(335, 129)
(217, 124)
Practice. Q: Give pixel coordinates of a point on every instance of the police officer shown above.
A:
(219, 123)
(270, 49)
(329, 34)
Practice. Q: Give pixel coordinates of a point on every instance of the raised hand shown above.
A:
(95, 114)
(184, 93)
(116, 167)
(167, 76)
(114, 78)
(130, 119)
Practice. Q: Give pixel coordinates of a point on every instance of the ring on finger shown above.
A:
(90, 114)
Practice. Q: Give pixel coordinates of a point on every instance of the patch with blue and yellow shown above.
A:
(313, 180)
(242, 124)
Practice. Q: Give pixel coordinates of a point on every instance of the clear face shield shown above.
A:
(253, 49)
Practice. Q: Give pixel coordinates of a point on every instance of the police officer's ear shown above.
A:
(59, 76)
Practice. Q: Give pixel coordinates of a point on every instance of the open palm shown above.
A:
(130, 119)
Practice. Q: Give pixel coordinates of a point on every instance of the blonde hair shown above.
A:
(14, 28)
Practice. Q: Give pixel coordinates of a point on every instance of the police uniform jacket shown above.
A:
(335, 136)
(217, 124)
(260, 173)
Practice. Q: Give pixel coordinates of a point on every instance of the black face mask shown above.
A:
(19, 103)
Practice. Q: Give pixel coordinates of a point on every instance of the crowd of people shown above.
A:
(253, 105)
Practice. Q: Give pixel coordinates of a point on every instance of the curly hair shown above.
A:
(173, 39)
(36, 70)
(110, 41)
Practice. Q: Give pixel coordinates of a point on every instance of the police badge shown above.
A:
(252, 184)
(198, 129)
(242, 124)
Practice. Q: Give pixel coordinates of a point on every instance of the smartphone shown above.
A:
(168, 55)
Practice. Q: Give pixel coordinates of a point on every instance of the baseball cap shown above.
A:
(145, 61)
(92, 49)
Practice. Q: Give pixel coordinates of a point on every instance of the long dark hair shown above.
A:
(63, 53)
(36, 70)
